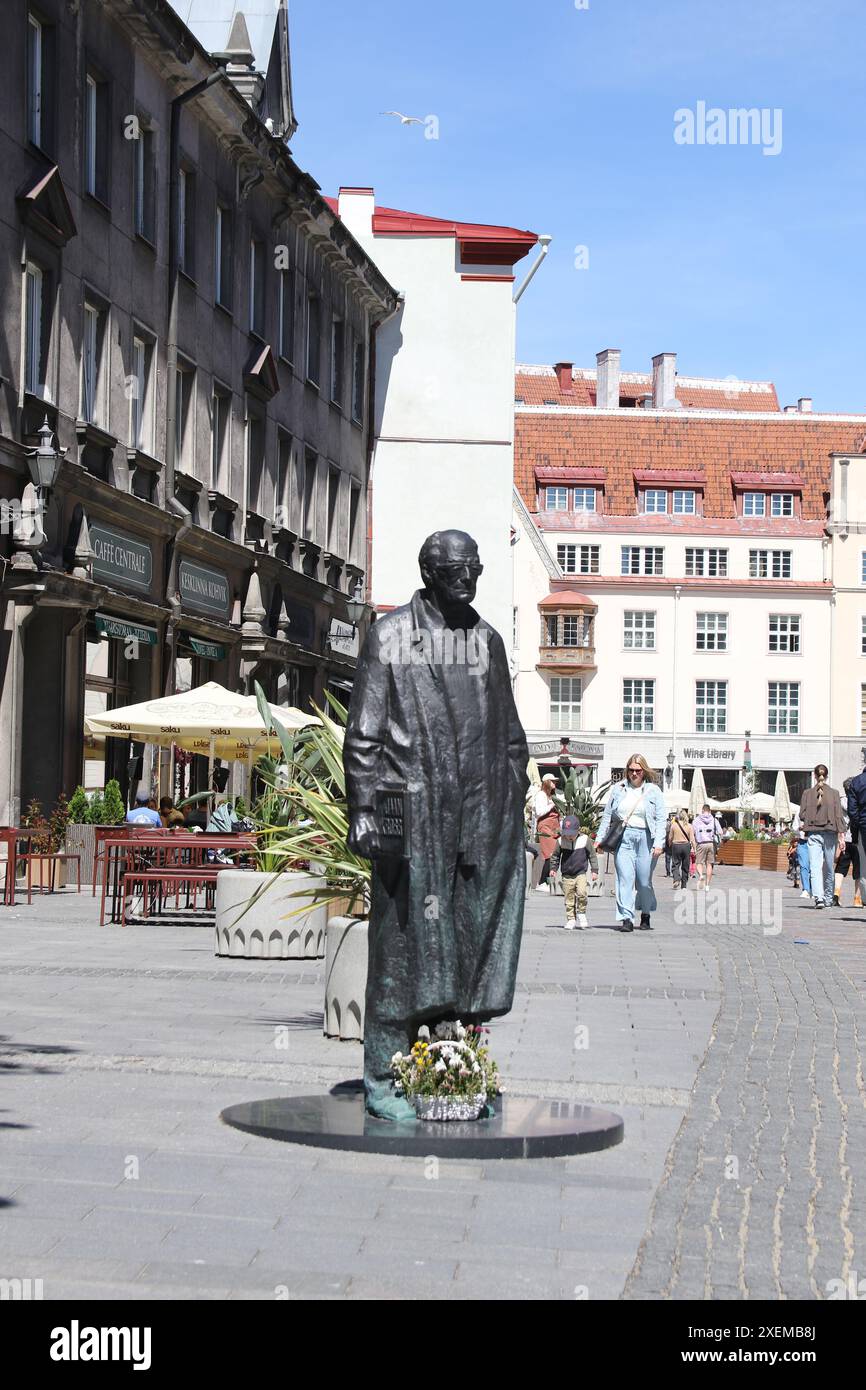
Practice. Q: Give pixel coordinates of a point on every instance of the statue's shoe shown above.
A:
(382, 1101)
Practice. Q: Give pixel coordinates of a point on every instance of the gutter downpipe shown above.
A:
(544, 242)
(172, 503)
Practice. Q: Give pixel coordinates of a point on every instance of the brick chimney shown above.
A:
(804, 405)
(607, 379)
(664, 380)
(564, 377)
(356, 207)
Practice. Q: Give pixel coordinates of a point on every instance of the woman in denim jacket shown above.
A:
(639, 801)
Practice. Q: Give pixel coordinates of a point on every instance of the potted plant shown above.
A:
(280, 907)
(48, 836)
(312, 785)
(449, 1077)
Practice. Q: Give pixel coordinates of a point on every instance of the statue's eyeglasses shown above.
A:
(458, 567)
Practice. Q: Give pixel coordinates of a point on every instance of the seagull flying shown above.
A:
(404, 120)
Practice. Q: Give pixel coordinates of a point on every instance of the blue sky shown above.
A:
(561, 120)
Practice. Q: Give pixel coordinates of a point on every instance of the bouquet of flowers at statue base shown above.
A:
(449, 1076)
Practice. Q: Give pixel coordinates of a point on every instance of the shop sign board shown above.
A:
(120, 558)
(204, 589)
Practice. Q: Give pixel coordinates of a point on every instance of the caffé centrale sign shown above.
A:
(121, 558)
(552, 746)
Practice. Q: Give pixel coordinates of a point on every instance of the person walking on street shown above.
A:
(821, 818)
(855, 788)
(803, 862)
(706, 830)
(547, 832)
(681, 843)
(668, 845)
(639, 829)
(848, 859)
(577, 865)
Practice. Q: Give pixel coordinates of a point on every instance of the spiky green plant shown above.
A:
(574, 799)
(303, 817)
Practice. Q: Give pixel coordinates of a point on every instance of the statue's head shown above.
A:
(450, 567)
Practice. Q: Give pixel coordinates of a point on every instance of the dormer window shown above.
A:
(754, 504)
(584, 499)
(769, 495)
(655, 501)
(684, 503)
(556, 499)
(782, 504)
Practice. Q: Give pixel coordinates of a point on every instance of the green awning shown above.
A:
(126, 631)
(211, 651)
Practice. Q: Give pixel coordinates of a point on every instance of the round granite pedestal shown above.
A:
(520, 1128)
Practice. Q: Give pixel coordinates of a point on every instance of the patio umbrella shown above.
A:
(698, 795)
(783, 811)
(209, 720)
(676, 799)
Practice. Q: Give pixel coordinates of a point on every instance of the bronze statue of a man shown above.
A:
(435, 759)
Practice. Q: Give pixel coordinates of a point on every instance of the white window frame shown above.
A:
(583, 499)
(782, 504)
(711, 706)
(91, 124)
(137, 395)
(639, 630)
(788, 634)
(337, 356)
(316, 364)
(285, 339)
(655, 501)
(714, 631)
(566, 713)
(552, 496)
(184, 416)
(220, 431)
(638, 714)
(257, 265)
(684, 502)
(754, 504)
(91, 354)
(707, 562)
(34, 324)
(359, 376)
(34, 80)
(785, 725)
(772, 560)
(643, 553)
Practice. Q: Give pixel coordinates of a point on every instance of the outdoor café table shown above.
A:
(171, 852)
(11, 838)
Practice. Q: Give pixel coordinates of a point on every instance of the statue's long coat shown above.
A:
(445, 927)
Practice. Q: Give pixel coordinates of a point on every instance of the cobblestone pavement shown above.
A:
(764, 1189)
(122, 1045)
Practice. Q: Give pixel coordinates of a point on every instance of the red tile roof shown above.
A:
(567, 598)
(627, 441)
(481, 243)
(540, 386)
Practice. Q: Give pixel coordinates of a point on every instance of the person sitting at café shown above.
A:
(144, 811)
(166, 806)
(175, 820)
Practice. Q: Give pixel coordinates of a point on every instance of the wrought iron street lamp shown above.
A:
(356, 605)
(669, 770)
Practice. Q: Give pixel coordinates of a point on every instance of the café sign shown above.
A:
(121, 558)
(709, 755)
(205, 589)
(549, 748)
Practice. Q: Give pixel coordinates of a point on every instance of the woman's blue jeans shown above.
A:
(803, 861)
(634, 864)
(822, 860)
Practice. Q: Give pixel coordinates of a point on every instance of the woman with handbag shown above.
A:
(546, 816)
(633, 830)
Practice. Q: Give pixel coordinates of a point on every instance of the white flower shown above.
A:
(398, 1057)
(460, 1031)
(440, 1066)
(424, 1033)
(455, 1062)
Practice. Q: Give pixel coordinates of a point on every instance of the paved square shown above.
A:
(733, 1052)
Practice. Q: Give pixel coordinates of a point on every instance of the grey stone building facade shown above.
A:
(198, 329)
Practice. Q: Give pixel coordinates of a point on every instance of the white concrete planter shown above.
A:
(345, 978)
(267, 930)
